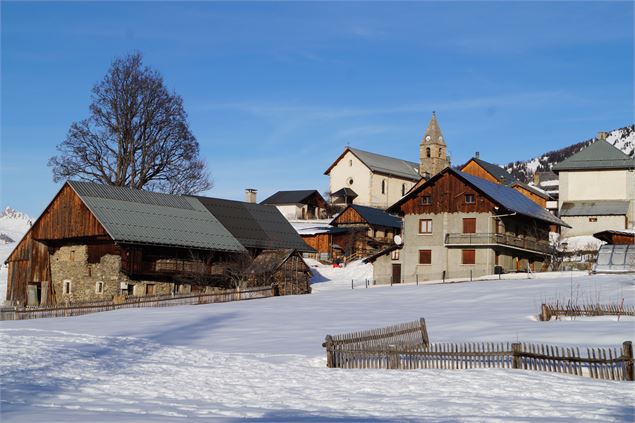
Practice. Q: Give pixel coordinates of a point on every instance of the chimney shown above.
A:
(250, 195)
(477, 155)
(602, 136)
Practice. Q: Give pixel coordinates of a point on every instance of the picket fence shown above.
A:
(405, 347)
(78, 309)
(549, 311)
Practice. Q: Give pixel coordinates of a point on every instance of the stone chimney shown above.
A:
(477, 155)
(250, 195)
(602, 136)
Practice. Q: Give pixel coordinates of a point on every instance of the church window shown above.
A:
(350, 181)
(403, 189)
(350, 162)
(440, 152)
(428, 152)
(383, 186)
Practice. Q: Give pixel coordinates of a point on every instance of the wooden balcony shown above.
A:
(490, 239)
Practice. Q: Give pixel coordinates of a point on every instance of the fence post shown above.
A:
(470, 275)
(516, 355)
(352, 284)
(545, 313)
(424, 332)
(417, 278)
(443, 276)
(627, 356)
(393, 357)
(328, 343)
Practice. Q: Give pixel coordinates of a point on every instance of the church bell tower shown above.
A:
(433, 156)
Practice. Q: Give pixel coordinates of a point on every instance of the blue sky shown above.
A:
(275, 91)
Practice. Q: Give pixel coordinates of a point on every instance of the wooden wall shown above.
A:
(532, 196)
(320, 242)
(67, 217)
(349, 216)
(29, 263)
(475, 169)
(448, 196)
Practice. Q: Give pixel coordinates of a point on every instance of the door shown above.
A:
(34, 294)
(396, 273)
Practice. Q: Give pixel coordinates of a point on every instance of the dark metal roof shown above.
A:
(532, 189)
(594, 208)
(607, 235)
(344, 192)
(387, 250)
(293, 197)
(255, 225)
(510, 198)
(142, 217)
(383, 164)
(598, 155)
(374, 217)
(496, 171)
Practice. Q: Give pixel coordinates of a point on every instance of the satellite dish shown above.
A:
(398, 239)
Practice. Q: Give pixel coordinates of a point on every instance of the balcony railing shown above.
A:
(525, 243)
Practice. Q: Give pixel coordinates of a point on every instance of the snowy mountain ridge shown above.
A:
(622, 138)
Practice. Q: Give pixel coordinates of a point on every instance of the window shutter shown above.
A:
(469, 256)
(469, 225)
(425, 257)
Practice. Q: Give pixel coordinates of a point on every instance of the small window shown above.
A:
(350, 163)
(383, 186)
(394, 255)
(593, 219)
(350, 181)
(425, 256)
(440, 152)
(469, 256)
(470, 199)
(99, 287)
(425, 226)
(67, 287)
(403, 189)
(469, 225)
(71, 255)
(426, 200)
(89, 269)
(428, 152)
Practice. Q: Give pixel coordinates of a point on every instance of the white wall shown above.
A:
(597, 185)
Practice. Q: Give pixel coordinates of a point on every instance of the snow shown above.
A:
(311, 227)
(582, 243)
(263, 359)
(552, 183)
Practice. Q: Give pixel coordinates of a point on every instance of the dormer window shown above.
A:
(470, 199)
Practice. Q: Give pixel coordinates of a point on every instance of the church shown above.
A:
(374, 180)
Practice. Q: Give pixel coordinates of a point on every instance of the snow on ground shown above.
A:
(263, 360)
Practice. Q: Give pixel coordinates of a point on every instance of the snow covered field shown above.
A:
(262, 359)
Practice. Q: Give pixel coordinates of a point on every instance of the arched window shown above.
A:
(428, 152)
(440, 152)
(383, 186)
(403, 189)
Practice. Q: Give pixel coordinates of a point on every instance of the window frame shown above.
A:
(99, 287)
(426, 200)
(429, 256)
(428, 226)
(472, 196)
(67, 287)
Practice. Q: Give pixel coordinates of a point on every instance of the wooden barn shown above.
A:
(94, 242)
(369, 229)
(284, 270)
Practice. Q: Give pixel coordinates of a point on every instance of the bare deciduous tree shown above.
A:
(137, 135)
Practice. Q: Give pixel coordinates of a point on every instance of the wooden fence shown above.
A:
(549, 311)
(78, 309)
(383, 349)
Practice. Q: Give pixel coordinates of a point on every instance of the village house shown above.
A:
(596, 190)
(374, 180)
(302, 205)
(325, 239)
(494, 173)
(96, 242)
(368, 230)
(457, 225)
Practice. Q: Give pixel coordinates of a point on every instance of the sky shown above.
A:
(275, 91)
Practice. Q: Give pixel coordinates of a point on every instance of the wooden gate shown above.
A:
(396, 273)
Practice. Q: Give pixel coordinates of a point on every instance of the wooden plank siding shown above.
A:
(532, 196)
(475, 169)
(320, 242)
(65, 217)
(349, 216)
(448, 196)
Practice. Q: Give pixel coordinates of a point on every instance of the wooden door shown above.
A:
(396, 273)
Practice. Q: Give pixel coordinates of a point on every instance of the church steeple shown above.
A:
(432, 150)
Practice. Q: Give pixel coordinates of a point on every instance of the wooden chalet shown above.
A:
(94, 242)
(370, 229)
(302, 204)
(459, 225)
(496, 174)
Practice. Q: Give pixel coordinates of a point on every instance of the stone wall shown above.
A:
(70, 264)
